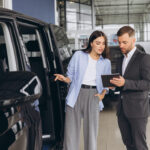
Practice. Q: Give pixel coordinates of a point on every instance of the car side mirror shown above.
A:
(19, 87)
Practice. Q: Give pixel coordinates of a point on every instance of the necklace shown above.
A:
(94, 56)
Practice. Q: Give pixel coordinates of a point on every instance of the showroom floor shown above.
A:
(109, 135)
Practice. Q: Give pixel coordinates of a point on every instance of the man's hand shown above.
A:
(102, 95)
(119, 82)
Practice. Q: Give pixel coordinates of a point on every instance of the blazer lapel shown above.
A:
(120, 68)
(130, 62)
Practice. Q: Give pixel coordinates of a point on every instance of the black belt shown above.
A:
(88, 86)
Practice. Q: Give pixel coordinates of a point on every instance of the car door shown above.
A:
(59, 46)
(40, 59)
(13, 131)
(62, 53)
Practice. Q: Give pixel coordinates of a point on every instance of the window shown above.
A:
(77, 15)
(61, 46)
(2, 3)
(7, 54)
(33, 44)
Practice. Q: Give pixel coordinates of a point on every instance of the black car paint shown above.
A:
(52, 100)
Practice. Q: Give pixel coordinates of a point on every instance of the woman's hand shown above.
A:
(61, 78)
(111, 88)
(102, 95)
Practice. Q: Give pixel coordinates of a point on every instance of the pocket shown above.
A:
(137, 95)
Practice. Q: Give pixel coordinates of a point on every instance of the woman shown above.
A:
(86, 92)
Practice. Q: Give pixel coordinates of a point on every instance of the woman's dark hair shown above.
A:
(94, 36)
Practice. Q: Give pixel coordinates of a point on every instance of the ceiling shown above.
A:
(122, 11)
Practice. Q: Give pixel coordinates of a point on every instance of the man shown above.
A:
(134, 85)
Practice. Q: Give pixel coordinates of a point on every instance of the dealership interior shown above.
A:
(83, 16)
(78, 19)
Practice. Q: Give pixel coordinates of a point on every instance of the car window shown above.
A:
(61, 47)
(7, 55)
(33, 45)
(62, 42)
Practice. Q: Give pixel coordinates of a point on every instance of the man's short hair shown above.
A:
(126, 29)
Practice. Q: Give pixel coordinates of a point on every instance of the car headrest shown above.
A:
(32, 46)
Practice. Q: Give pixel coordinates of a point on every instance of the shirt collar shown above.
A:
(101, 57)
(131, 52)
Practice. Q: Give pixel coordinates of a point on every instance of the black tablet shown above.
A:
(106, 79)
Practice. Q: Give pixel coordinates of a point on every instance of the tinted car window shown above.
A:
(62, 42)
(7, 54)
(61, 45)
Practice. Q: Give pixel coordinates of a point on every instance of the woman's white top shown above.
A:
(90, 73)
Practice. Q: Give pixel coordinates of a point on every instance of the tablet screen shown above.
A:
(106, 79)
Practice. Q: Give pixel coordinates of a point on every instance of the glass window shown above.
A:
(80, 14)
(73, 1)
(72, 17)
(71, 26)
(3, 52)
(73, 7)
(7, 53)
(30, 39)
(85, 19)
(62, 42)
(148, 32)
(85, 9)
(87, 2)
(61, 48)
(33, 49)
(78, 17)
(84, 26)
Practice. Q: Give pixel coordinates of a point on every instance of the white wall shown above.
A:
(8, 4)
(146, 46)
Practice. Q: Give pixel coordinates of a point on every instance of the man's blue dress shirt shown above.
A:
(76, 70)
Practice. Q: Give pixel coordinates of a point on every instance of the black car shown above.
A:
(18, 90)
(28, 44)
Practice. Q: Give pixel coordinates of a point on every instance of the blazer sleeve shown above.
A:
(71, 66)
(108, 68)
(108, 71)
(144, 83)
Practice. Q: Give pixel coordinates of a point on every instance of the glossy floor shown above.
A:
(109, 135)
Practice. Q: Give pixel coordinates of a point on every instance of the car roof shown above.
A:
(19, 16)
